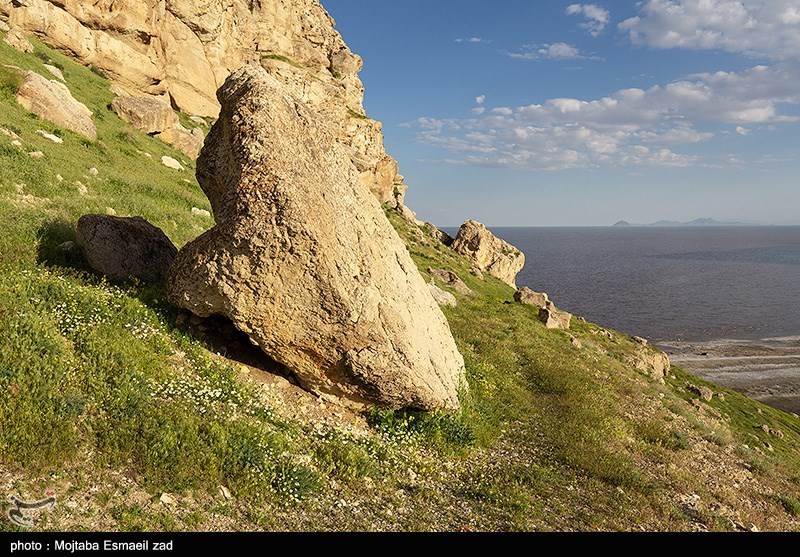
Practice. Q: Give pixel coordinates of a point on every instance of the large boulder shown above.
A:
(450, 279)
(554, 318)
(649, 361)
(147, 114)
(50, 100)
(491, 254)
(120, 248)
(532, 298)
(304, 261)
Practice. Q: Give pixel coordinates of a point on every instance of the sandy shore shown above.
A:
(767, 370)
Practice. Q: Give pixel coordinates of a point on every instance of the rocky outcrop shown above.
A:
(529, 297)
(50, 100)
(155, 117)
(650, 361)
(15, 38)
(491, 254)
(120, 248)
(554, 318)
(439, 234)
(303, 260)
(183, 51)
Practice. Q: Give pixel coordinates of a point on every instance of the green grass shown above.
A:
(98, 377)
(357, 115)
(282, 58)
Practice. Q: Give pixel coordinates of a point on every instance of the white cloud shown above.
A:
(554, 51)
(480, 99)
(760, 28)
(596, 17)
(631, 127)
(474, 40)
(742, 131)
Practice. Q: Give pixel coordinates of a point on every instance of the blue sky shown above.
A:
(541, 113)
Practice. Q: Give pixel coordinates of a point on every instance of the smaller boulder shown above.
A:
(640, 340)
(442, 298)
(15, 38)
(187, 142)
(491, 254)
(147, 114)
(169, 162)
(55, 71)
(529, 297)
(703, 392)
(51, 100)
(450, 279)
(439, 234)
(120, 248)
(554, 318)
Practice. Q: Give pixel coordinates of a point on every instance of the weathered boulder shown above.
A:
(650, 361)
(303, 260)
(15, 38)
(554, 318)
(442, 298)
(703, 392)
(51, 100)
(120, 248)
(147, 114)
(491, 254)
(529, 297)
(187, 142)
(450, 279)
(439, 234)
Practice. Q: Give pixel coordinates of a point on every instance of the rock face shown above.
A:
(51, 100)
(304, 261)
(155, 117)
(529, 297)
(120, 248)
(182, 51)
(491, 254)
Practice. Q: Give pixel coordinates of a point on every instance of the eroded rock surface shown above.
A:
(51, 100)
(304, 261)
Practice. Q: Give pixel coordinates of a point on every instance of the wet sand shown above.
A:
(767, 370)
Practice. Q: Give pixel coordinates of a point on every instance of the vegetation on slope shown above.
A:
(136, 424)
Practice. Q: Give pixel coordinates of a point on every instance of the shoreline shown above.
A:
(767, 370)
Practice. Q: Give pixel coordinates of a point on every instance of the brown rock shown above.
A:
(303, 260)
(554, 318)
(491, 254)
(529, 297)
(51, 100)
(147, 114)
(15, 38)
(650, 361)
(703, 392)
(450, 279)
(120, 248)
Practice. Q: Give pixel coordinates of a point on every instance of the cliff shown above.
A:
(182, 51)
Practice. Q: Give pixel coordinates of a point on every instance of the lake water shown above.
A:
(669, 284)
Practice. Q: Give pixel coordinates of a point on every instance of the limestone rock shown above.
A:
(442, 298)
(554, 318)
(120, 248)
(15, 38)
(529, 297)
(491, 254)
(703, 392)
(184, 50)
(51, 100)
(55, 71)
(439, 234)
(187, 142)
(169, 162)
(147, 114)
(450, 279)
(650, 361)
(303, 260)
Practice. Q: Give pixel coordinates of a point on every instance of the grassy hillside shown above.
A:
(113, 401)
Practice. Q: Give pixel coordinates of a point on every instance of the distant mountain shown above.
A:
(707, 221)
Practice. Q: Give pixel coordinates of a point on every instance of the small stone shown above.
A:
(581, 319)
(168, 499)
(476, 272)
(169, 162)
(777, 433)
(201, 212)
(111, 211)
(225, 492)
(720, 396)
(36, 155)
(93, 171)
(764, 428)
(16, 143)
(55, 71)
(759, 410)
(20, 188)
(575, 342)
(554, 318)
(640, 340)
(753, 528)
(71, 505)
(8, 133)
(703, 392)
(59, 177)
(50, 136)
(67, 246)
(82, 189)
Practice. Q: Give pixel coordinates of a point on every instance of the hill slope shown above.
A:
(122, 407)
